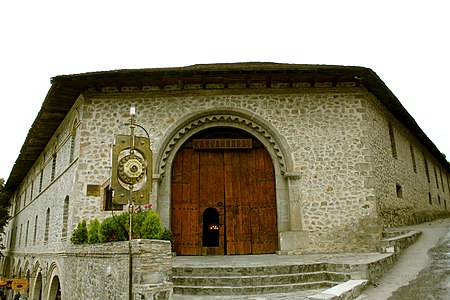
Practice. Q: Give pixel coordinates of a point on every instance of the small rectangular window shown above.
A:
(31, 190)
(413, 158)
(17, 209)
(392, 137)
(35, 230)
(436, 177)
(53, 167)
(26, 233)
(47, 226)
(399, 191)
(41, 179)
(427, 171)
(20, 235)
(448, 184)
(108, 200)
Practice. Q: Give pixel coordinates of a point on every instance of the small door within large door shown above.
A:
(237, 184)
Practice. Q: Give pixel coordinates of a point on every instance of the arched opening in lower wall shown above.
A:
(37, 289)
(54, 292)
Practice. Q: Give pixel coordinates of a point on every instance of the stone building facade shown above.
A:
(342, 160)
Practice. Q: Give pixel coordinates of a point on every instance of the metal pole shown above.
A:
(130, 212)
(130, 253)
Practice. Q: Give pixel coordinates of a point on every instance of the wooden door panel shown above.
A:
(211, 191)
(240, 185)
(185, 225)
(189, 227)
(178, 211)
(264, 222)
(245, 195)
(230, 214)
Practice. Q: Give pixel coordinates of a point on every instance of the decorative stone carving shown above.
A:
(230, 118)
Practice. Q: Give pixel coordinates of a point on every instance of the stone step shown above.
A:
(248, 270)
(251, 290)
(260, 279)
(350, 289)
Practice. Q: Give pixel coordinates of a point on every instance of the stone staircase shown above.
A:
(336, 276)
(248, 280)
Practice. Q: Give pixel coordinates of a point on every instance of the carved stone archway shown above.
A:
(237, 118)
(240, 119)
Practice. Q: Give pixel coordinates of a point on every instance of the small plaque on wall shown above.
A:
(222, 143)
(93, 190)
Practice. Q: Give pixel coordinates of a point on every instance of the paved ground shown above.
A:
(433, 282)
(422, 271)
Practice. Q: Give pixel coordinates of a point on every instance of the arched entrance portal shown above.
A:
(228, 172)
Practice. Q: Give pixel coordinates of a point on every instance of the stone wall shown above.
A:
(101, 271)
(405, 194)
(41, 221)
(321, 130)
(98, 271)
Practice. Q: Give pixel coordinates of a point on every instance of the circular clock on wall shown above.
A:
(131, 169)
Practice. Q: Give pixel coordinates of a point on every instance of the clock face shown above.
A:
(131, 169)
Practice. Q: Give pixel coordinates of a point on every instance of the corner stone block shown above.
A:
(362, 167)
(369, 182)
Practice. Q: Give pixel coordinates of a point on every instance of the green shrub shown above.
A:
(151, 226)
(146, 225)
(80, 234)
(166, 235)
(114, 229)
(93, 237)
(138, 219)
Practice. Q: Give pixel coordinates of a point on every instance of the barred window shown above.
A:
(72, 141)
(41, 179)
(47, 226)
(35, 230)
(65, 218)
(53, 167)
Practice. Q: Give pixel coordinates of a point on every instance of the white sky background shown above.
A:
(407, 43)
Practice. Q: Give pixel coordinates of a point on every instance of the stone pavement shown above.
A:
(411, 262)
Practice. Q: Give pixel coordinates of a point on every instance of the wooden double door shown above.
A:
(223, 202)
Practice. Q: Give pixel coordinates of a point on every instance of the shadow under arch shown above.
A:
(236, 118)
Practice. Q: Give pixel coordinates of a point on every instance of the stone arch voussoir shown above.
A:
(244, 119)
